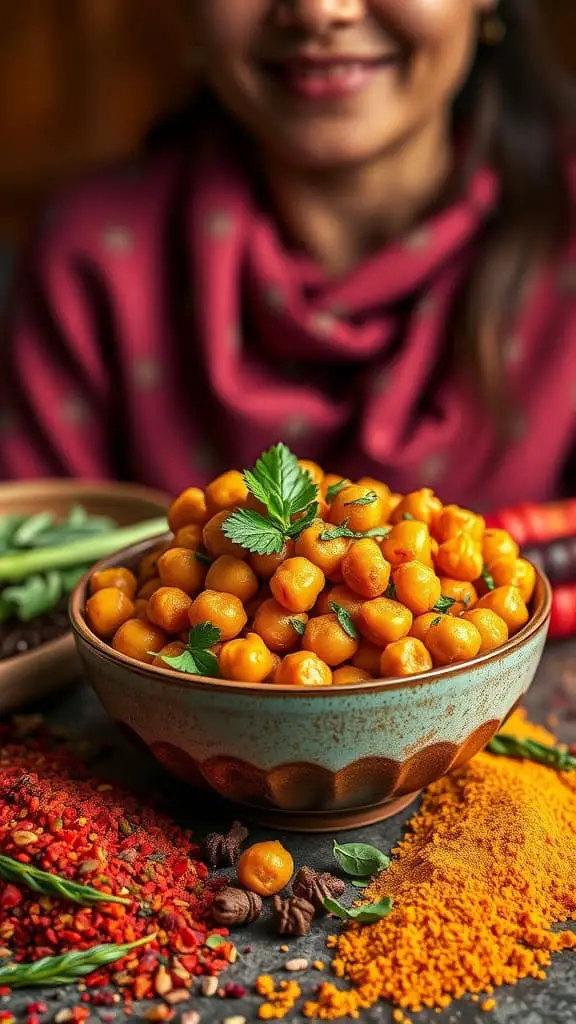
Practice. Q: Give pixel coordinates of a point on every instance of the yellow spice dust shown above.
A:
(487, 866)
(280, 999)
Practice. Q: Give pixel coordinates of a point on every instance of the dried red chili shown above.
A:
(55, 815)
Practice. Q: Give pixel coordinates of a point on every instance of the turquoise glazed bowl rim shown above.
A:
(541, 608)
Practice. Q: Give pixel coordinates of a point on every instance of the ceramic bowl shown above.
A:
(317, 760)
(54, 665)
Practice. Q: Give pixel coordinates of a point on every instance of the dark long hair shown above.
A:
(518, 115)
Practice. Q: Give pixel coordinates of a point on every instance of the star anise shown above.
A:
(314, 887)
(292, 916)
(223, 850)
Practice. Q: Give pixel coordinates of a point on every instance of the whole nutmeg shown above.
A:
(292, 916)
(236, 906)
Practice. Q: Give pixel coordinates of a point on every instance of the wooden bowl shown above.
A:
(54, 665)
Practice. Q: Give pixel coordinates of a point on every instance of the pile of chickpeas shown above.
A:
(436, 588)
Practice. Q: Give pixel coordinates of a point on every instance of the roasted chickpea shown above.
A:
(172, 650)
(226, 492)
(148, 566)
(187, 509)
(422, 624)
(364, 568)
(215, 540)
(139, 639)
(360, 507)
(315, 472)
(405, 657)
(495, 544)
(422, 505)
(325, 637)
(224, 611)
(303, 668)
(451, 640)
(233, 576)
(168, 608)
(347, 675)
(454, 520)
(342, 595)
(326, 554)
(147, 589)
(190, 536)
(179, 567)
(507, 602)
(367, 657)
(460, 558)
(278, 627)
(503, 570)
(417, 586)
(408, 541)
(524, 579)
(265, 565)
(107, 609)
(493, 630)
(276, 662)
(297, 583)
(141, 608)
(462, 592)
(382, 621)
(246, 661)
(393, 502)
(118, 577)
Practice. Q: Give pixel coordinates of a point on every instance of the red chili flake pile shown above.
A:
(57, 817)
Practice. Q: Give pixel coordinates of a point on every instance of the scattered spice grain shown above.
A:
(485, 870)
(89, 831)
(280, 999)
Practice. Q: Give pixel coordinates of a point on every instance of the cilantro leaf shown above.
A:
(444, 604)
(334, 490)
(367, 499)
(295, 529)
(205, 634)
(254, 532)
(344, 619)
(280, 483)
(334, 533)
(194, 663)
(298, 626)
(488, 578)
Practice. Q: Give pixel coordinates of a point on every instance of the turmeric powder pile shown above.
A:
(487, 866)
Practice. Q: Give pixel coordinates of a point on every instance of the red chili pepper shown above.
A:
(537, 523)
(563, 617)
(11, 897)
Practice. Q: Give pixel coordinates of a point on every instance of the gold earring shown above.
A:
(492, 29)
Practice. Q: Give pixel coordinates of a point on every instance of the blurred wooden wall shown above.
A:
(80, 80)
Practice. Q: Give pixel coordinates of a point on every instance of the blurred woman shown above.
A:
(359, 238)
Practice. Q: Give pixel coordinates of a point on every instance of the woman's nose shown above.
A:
(321, 15)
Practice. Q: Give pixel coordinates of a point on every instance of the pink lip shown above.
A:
(331, 79)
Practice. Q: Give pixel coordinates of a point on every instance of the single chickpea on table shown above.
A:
(287, 575)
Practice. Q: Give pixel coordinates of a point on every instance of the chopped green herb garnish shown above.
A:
(345, 620)
(197, 659)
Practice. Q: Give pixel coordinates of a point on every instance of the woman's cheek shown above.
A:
(428, 21)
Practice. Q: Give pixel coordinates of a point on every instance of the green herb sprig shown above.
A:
(298, 626)
(197, 659)
(444, 604)
(334, 489)
(336, 532)
(53, 885)
(368, 913)
(67, 968)
(530, 750)
(366, 499)
(488, 578)
(286, 491)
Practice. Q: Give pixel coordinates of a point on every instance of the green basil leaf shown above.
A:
(360, 859)
(367, 914)
(344, 619)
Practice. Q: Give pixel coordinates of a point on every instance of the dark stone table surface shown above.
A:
(530, 1002)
